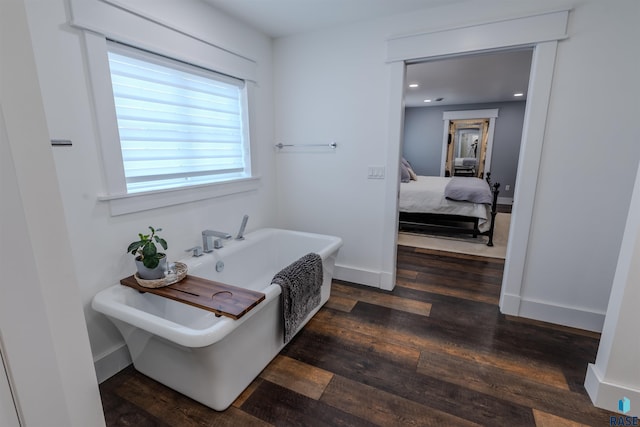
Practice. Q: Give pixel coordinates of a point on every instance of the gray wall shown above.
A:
(422, 144)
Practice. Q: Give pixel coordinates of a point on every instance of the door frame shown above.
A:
(540, 31)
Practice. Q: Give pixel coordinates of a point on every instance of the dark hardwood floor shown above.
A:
(435, 351)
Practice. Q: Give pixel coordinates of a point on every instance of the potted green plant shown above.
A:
(151, 263)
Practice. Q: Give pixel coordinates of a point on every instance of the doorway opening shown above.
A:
(480, 121)
(542, 32)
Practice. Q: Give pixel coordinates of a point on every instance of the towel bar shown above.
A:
(331, 145)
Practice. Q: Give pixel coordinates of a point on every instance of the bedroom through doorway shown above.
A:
(441, 141)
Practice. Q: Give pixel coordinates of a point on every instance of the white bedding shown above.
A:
(426, 195)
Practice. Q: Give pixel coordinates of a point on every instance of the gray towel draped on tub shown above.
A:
(300, 282)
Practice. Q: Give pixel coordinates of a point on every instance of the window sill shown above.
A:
(121, 204)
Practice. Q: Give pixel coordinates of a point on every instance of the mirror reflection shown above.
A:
(467, 148)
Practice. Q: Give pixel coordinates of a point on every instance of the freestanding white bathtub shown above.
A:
(213, 359)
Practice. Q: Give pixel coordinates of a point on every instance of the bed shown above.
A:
(424, 205)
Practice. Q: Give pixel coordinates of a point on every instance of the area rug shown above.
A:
(464, 245)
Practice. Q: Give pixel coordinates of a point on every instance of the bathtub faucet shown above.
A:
(240, 235)
(208, 244)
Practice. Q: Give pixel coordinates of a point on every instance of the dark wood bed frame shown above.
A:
(452, 224)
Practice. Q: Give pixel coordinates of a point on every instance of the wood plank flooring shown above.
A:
(435, 351)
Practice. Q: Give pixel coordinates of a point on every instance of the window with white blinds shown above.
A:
(179, 125)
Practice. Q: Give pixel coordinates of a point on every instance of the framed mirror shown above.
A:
(468, 141)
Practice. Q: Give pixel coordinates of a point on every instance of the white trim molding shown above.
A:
(127, 23)
(470, 114)
(358, 275)
(605, 394)
(500, 34)
(10, 412)
(138, 202)
(542, 31)
(111, 362)
(220, 60)
(389, 241)
(545, 311)
(535, 118)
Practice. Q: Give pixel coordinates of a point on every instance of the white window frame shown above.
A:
(116, 194)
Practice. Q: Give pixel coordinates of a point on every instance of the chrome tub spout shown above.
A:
(208, 243)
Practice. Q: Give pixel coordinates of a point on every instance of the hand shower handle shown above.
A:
(240, 235)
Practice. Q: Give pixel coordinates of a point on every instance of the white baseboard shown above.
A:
(606, 395)
(386, 281)
(112, 362)
(360, 276)
(562, 315)
(514, 305)
(505, 200)
(510, 304)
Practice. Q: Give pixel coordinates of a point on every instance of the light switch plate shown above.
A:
(376, 172)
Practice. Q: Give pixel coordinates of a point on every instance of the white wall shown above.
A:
(334, 85)
(99, 240)
(615, 373)
(588, 167)
(331, 86)
(45, 342)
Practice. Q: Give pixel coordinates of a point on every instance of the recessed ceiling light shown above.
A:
(414, 85)
(427, 100)
(518, 94)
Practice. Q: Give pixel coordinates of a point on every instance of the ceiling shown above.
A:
(281, 18)
(491, 77)
(470, 79)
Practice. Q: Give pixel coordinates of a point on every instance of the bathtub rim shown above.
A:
(112, 301)
(333, 242)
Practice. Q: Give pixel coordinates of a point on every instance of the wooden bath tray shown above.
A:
(222, 299)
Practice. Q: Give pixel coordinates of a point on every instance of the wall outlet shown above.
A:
(507, 187)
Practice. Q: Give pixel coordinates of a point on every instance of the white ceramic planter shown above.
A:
(152, 273)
